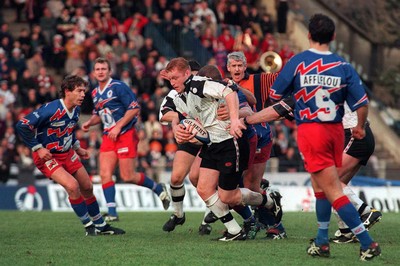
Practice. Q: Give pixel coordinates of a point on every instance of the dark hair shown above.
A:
(210, 71)
(70, 83)
(321, 28)
(102, 60)
(194, 65)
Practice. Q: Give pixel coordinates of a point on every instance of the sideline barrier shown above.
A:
(134, 198)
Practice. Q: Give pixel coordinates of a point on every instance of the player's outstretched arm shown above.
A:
(93, 120)
(282, 109)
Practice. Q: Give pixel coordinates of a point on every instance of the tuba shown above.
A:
(271, 62)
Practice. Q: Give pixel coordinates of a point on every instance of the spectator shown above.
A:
(110, 26)
(103, 47)
(5, 33)
(24, 40)
(38, 41)
(65, 23)
(32, 101)
(254, 21)
(35, 63)
(19, 100)
(132, 49)
(143, 153)
(97, 21)
(290, 162)
(177, 12)
(269, 43)
(170, 149)
(161, 63)
(147, 50)
(125, 77)
(73, 62)
(123, 64)
(8, 96)
(48, 24)
(266, 24)
(286, 53)
(55, 6)
(5, 163)
(58, 54)
(136, 21)
(232, 16)
(220, 10)
(227, 39)
(152, 124)
(17, 61)
(43, 79)
(26, 83)
(121, 11)
(80, 19)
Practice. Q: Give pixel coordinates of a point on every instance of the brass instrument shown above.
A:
(271, 62)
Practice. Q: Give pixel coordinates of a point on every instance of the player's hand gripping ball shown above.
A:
(198, 130)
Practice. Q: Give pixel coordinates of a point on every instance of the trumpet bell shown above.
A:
(271, 62)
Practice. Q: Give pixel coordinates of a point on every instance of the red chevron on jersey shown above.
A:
(364, 98)
(58, 115)
(274, 96)
(94, 91)
(306, 113)
(54, 146)
(133, 105)
(306, 96)
(302, 69)
(59, 133)
(101, 103)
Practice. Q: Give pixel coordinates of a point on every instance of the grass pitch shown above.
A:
(48, 238)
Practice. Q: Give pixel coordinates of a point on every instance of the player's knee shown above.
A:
(72, 189)
(205, 191)
(177, 179)
(87, 191)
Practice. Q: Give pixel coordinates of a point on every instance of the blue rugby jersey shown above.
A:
(50, 126)
(320, 82)
(112, 103)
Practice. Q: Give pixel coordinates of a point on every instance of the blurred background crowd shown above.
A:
(46, 40)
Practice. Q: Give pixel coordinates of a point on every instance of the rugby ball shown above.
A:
(200, 133)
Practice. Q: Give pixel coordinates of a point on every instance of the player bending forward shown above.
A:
(49, 132)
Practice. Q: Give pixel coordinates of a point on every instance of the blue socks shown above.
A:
(109, 194)
(80, 209)
(324, 210)
(350, 216)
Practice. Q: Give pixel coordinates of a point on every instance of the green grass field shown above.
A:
(48, 238)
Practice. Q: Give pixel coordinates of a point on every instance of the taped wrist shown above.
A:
(285, 108)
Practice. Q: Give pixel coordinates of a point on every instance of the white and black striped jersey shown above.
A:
(350, 118)
(173, 102)
(203, 96)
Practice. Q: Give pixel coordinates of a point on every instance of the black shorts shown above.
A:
(230, 158)
(190, 148)
(361, 149)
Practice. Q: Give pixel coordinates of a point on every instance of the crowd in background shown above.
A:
(64, 37)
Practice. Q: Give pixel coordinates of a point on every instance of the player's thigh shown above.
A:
(207, 183)
(127, 168)
(327, 181)
(108, 161)
(181, 166)
(67, 181)
(350, 166)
